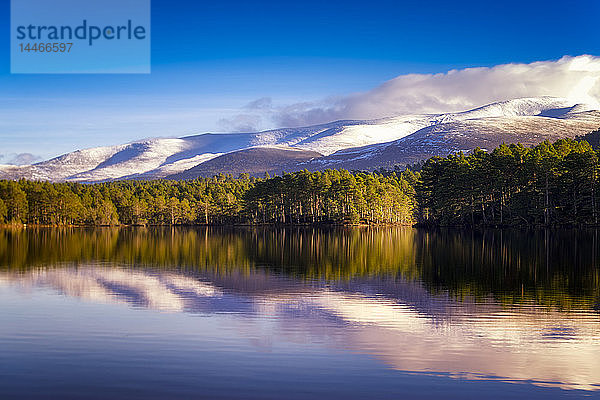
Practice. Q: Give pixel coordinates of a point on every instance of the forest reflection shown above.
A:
(557, 268)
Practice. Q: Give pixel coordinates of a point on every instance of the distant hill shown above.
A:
(443, 139)
(342, 144)
(255, 161)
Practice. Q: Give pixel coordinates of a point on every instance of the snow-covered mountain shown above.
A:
(341, 144)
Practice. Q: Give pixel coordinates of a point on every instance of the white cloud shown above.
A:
(241, 123)
(19, 159)
(575, 78)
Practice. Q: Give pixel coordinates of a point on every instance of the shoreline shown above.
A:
(320, 225)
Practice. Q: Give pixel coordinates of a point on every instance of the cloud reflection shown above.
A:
(410, 331)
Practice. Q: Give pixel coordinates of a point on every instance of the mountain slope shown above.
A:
(255, 161)
(343, 144)
(443, 139)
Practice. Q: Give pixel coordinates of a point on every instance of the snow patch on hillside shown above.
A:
(139, 157)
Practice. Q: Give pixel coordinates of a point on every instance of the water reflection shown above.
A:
(508, 306)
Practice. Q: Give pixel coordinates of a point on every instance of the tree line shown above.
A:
(332, 196)
(546, 185)
(513, 185)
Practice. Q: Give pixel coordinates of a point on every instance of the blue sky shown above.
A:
(209, 60)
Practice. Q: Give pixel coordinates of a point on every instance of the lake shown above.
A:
(298, 313)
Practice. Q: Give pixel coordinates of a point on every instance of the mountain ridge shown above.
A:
(351, 144)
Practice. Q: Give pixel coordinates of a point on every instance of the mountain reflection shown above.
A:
(498, 305)
(165, 291)
(441, 336)
(558, 268)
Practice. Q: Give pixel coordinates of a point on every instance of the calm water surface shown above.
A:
(299, 314)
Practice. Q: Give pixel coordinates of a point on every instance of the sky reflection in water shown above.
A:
(255, 310)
